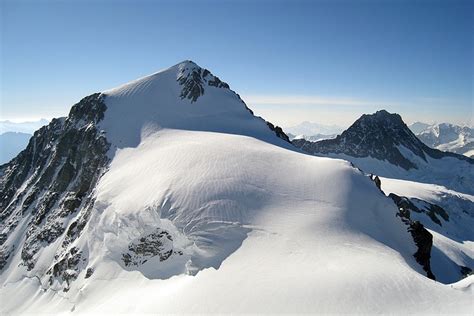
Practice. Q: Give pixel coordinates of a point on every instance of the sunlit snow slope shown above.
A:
(321, 237)
(203, 208)
(184, 96)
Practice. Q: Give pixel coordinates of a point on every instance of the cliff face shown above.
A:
(383, 136)
(47, 189)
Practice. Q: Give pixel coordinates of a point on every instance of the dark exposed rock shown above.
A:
(466, 271)
(194, 80)
(67, 268)
(89, 273)
(424, 241)
(192, 84)
(52, 179)
(432, 210)
(158, 243)
(216, 82)
(4, 255)
(3, 238)
(377, 181)
(422, 237)
(380, 136)
(278, 132)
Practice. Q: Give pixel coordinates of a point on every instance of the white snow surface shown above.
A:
(449, 172)
(453, 240)
(296, 233)
(449, 137)
(256, 227)
(153, 102)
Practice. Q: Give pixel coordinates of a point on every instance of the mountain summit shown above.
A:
(383, 136)
(184, 96)
(48, 191)
(156, 195)
(382, 143)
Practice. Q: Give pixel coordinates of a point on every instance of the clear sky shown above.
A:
(322, 61)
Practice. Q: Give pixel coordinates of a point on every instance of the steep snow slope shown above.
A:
(448, 172)
(47, 191)
(453, 236)
(184, 96)
(162, 194)
(281, 231)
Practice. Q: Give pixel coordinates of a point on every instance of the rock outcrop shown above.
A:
(47, 189)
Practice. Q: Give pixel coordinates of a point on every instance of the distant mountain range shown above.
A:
(312, 138)
(418, 127)
(21, 127)
(14, 137)
(446, 137)
(312, 128)
(312, 131)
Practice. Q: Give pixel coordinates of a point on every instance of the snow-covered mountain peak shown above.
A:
(449, 137)
(382, 139)
(184, 96)
(142, 189)
(381, 135)
(190, 77)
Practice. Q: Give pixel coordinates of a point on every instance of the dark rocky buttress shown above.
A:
(380, 136)
(194, 81)
(46, 191)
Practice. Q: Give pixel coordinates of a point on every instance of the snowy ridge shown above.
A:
(166, 190)
(184, 96)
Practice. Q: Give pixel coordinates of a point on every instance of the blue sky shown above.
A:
(323, 61)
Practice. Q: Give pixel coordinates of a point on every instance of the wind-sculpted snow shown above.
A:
(47, 195)
(280, 231)
(232, 202)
